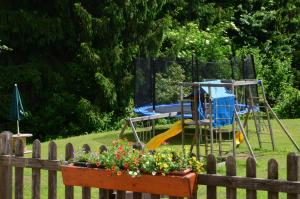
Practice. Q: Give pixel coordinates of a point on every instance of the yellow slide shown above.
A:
(156, 141)
(239, 138)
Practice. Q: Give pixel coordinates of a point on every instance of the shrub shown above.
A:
(288, 106)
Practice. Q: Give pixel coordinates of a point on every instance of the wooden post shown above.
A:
(19, 171)
(69, 154)
(244, 134)
(36, 173)
(211, 169)
(121, 195)
(106, 194)
(292, 171)
(230, 171)
(86, 192)
(298, 171)
(52, 175)
(273, 174)
(251, 172)
(196, 118)
(182, 119)
(5, 171)
(211, 131)
(137, 195)
(233, 125)
(134, 131)
(155, 196)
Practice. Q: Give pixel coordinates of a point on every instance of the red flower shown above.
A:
(121, 148)
(126, 166)
(118, 156)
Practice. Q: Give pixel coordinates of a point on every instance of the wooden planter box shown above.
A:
(179, 184)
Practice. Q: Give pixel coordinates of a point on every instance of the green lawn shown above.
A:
(283, 146)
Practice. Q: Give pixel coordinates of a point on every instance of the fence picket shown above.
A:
(106, 194)
(194, 196)
(231, 171)
(19, 171)
(86, 192)
(52, 175)
(121, 194)
(155, 196)
(136, 195)
(273, 174)
(211, 169)
(69, 154)
(5, 170)
(292, 170)
(211, 180)
(251, 172)
(36, 172)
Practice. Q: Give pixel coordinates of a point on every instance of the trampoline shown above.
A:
(147, 110)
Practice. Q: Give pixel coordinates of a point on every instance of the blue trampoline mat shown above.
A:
(147, 110)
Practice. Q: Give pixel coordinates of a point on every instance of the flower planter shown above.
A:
(181, 184)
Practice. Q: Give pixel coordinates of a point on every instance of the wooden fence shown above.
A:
(250, 183)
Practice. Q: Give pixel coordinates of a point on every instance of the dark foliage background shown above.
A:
(73, 60)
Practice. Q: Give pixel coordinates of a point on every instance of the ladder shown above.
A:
(264, 127)
(260, 112)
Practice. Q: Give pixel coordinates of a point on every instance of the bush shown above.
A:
(288, 106)
(90, 118)
(167, 87)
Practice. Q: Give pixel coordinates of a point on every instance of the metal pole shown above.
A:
(182, 119)
(18, 127)
(283, 127)
(211, 121)
(244, 134)
(196, 117)
(233, 126)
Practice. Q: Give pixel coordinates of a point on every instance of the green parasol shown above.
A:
(16, 109)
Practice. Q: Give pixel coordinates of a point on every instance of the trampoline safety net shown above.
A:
(156, 80)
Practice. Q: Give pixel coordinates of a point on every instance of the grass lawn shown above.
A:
(283, 146)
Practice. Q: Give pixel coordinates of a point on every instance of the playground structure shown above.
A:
(213, 108)
(216, 110)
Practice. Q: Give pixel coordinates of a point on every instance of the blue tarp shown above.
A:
(222, 105)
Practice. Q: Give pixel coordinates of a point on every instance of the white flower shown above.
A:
(153, 173)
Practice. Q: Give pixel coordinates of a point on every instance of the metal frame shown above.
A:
(199, 124)
(130, 122)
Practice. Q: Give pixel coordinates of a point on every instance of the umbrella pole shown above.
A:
(18, 128)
